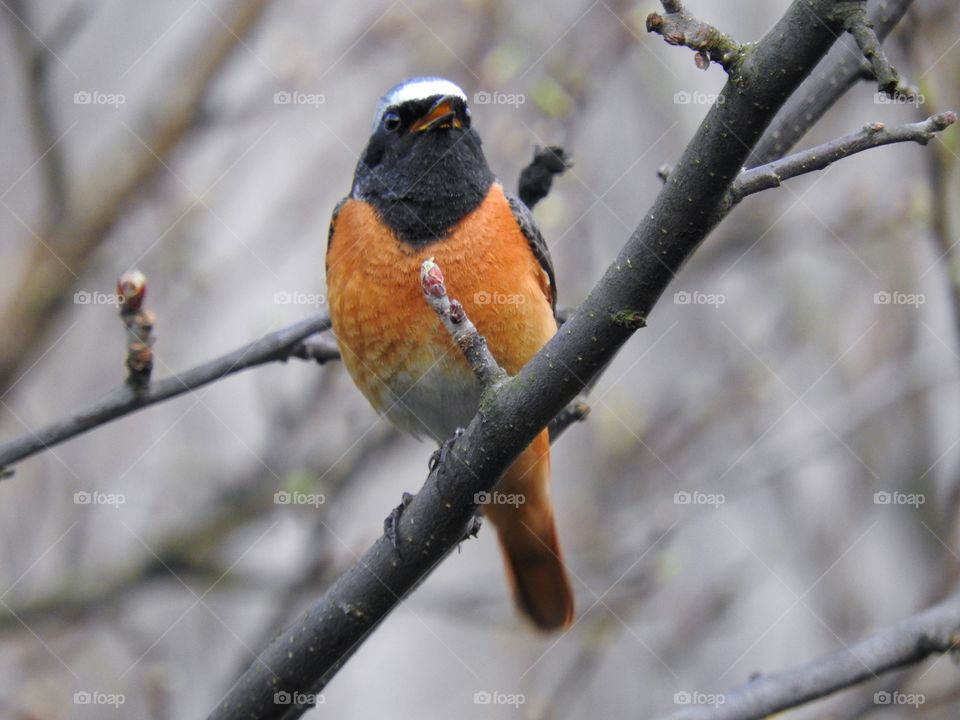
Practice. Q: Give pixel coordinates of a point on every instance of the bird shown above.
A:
(423, 189)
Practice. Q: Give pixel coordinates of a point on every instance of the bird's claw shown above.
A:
(439, 456)
(472, 529)
(391, 523)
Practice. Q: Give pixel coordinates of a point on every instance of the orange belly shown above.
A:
(394, 346)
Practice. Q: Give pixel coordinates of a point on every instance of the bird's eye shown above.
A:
(391, 121)
(466, 116)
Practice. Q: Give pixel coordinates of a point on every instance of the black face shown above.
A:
(423, 169)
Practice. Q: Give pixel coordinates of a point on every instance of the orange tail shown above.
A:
(523, 515)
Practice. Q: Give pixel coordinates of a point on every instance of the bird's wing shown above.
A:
(538, 245)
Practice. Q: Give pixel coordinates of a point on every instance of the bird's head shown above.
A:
(423, 166)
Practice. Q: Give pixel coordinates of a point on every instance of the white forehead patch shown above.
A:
(419, 88)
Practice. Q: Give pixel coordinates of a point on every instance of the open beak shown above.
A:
(441, 114)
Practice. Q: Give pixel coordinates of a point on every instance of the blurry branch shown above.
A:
(679, 27)
(842, 68)
(319, 565)
(942, 188)
(304, 657)
(190, 553)
(817, 158)
(908, 642)
(62, 247)
(36, 62)
(279, 345)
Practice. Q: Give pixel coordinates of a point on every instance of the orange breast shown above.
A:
(393, 345)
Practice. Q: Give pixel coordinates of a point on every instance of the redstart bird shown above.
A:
(423, 189)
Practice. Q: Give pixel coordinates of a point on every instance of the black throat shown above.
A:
(423, 184)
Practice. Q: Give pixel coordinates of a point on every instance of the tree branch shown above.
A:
(304, 657)
(279, 345)
(679, 27)
(768, 176)
(856, 22)
(840, 70)
(464, 333)
(935, 630)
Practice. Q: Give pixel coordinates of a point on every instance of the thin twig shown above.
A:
(909, 641)
(873, 135)
(856, 22)
(464, 333)
(574, 412)
(830, 80)
(679, 27)
(279, 345)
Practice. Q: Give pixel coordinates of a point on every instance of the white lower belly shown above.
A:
(445, 398)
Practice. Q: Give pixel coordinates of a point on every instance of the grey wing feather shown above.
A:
(528, 226)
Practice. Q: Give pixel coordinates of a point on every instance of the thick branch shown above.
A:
(279, 345)
(305, 656)
(910, 641)
(874, 135)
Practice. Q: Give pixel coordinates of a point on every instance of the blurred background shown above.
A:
(770, 470)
